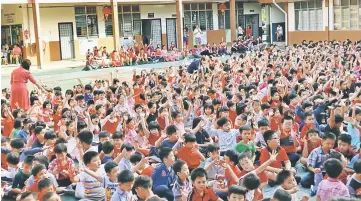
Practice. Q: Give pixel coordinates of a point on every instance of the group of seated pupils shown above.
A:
(225, 133)
(145, 54)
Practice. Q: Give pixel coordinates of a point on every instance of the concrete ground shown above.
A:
(65, 75)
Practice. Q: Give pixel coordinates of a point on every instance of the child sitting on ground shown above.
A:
(354, 182)
(182, 185)
(124, 190)
(190, 153)
(287, 182)
(200, 191)
(213, 165)
(281, 195)
(310, 142)
(236, 193)
(332, 187)
(22, 175)
(246, 143)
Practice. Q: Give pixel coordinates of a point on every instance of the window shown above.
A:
(224, 20)
(308, 16)
(129, 21)
(86, 21)
(198, 14)
(109, 25)
(12, 35)
(347, 14)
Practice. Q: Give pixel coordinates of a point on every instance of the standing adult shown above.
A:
(279, 32)
(198, 35)
(240, 31)
(19, 92)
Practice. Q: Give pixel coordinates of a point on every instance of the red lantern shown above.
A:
(26, 34)
(106, 11)
(222, 7)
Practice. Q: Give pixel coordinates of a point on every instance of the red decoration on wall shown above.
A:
(106, 11)
(222, 7)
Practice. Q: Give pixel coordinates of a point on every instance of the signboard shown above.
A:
(9, 17)
(150, 15)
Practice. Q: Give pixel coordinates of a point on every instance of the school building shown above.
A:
(53, 30)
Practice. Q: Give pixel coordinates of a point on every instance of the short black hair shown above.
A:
(13, 158)
(38, 130)
(117, 135)
(60, 148)
(222, 121)
(238, 190)
(85, 137)
(48, 195)
(136, 157)
(212, 147)
(357, 166)
(43, 183)
(268, 135)
(37, 168)
(142, 181)
(244, 128)
(328, 135)
(109, 166)
(338, 118)
(198, 172)
(251, 181)
(313, 130)
(262, 122)
(27, 194)
(189, 137)
(42, 160)
(88, 156)
(282, 195)
(49, 135)
(127, 146)
(282, 176)
(170, 130)
(125, 176)
(104, 134)
(177, 166)
(346, 138)
(29, 160)
(333, 167)
(244, 155)
(107, 147)
(164, 153)
(232, 155)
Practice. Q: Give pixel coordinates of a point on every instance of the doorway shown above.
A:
(253, 21)
(171, 27)
(66, 39)
(152, 29)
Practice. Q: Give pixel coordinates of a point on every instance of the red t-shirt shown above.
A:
(281, 157)
(229, 177)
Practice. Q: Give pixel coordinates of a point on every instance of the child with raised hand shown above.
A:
(182, 185)
(310, 142)
(200, 190)
(332, 187)
(189, 152)
(93, 188)
(213, 165)
(287, 182)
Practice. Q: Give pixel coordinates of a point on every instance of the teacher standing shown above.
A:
(19, 92)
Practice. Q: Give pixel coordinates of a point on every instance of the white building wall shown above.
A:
(277, 15)
(330, 10)
(215, 16)
(11, 14)
(160, 11)
(291, 17)
(256, 7)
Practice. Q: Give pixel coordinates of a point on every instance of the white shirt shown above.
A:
(197, 33)
(279, 30)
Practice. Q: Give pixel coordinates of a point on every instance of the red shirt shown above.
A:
(262, 176)
(111, 127)
(228, 176)
(161, 122)
(191, 158)
(281, 157)
(8, 126)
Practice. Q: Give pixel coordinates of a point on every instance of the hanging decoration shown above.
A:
(106, 11)
(222, 8)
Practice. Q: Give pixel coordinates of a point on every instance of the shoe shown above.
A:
(313, 191)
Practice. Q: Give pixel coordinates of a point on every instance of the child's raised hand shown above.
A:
(305, 198)
(273, 156)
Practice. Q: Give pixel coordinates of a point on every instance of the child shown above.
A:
(246, 143)
(22, 175)
(213, 166)
(263, 126)
(200, 191)
(40, 141)
(44, 186)
(171, 141)
(117, 138)
(190, 153)
(124, 190)
(354, 182)
(344, 146)
(315, 162)
(62, 165)
(108, 150)
(236, 193)
(163, 176)
(38, 172)
(287, 182)
(281, 195)
(310, 142)
(143, 187)
(182, 185)
(226, 135)
(12, 160)
(141, 165)
(332, 187)
(124, 163)
(93, 188)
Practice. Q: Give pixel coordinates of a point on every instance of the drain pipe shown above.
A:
(286, 21)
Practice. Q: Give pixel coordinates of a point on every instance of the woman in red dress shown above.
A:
(19, 92)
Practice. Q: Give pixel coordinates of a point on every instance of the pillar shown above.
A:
(179, 12)
(36, 19)
(327, 28)
(116, 36)
(232, 7)
(287, 25)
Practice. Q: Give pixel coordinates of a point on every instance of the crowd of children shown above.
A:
(222, 132)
